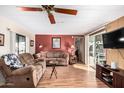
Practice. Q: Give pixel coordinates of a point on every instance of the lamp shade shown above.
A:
(72, 46)
(40, 46)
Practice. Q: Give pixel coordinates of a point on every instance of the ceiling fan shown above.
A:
(48, 9)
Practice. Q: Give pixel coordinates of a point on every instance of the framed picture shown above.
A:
(1, 39)
(31, 43)
(56, 42)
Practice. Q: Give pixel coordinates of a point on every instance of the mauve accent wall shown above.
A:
(46, 42)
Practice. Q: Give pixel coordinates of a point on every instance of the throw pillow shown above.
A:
(12, 61)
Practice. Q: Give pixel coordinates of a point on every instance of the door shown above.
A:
(99, 50)
(92, 51)
(97, 54)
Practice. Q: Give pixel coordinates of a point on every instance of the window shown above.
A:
(56, 42)
(20, 44)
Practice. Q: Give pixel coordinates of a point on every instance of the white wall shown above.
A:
(82, 48)
(9, 45)
(6, 48)
(86, 49)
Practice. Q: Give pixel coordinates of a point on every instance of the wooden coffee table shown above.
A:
(53, 64)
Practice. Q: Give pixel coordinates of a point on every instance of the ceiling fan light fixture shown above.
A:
(49, 9)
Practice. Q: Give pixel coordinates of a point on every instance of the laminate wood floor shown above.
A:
(71, 76)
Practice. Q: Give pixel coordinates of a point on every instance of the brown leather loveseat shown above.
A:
(27, 75)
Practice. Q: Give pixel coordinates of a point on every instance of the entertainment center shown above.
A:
(114, 78)
(112, 75)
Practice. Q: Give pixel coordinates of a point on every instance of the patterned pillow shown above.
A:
(12, 61)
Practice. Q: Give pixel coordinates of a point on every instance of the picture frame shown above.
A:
(31, 43)
(56, 42)
(2, 37)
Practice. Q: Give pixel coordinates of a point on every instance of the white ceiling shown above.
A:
(87, 19)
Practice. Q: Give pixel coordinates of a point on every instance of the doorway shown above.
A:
(80, 48)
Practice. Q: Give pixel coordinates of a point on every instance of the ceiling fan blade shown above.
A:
(51, 18)
(30, 9)
(66, 11)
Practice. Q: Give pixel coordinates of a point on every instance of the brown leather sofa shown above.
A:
(61, 57)
(27, 76)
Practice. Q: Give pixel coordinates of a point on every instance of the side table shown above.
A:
(72, 59)
(53, 64)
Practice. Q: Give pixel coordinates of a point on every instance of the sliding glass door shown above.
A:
(100, 53)
(97, 54)
(92, 51)
(20, 44)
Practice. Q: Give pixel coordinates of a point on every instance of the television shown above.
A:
(114, 39)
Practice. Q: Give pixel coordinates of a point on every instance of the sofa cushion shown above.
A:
(48, 59)
(23, 70)
(12, 61)
(22, 59)
(65, 55)
(61, 59)
(50, 55)
(27, 58)
(55, 54)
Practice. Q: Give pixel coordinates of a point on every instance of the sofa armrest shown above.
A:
(24, 70)
(39, 60)
(67, 58)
